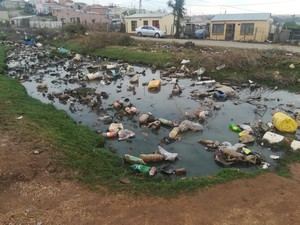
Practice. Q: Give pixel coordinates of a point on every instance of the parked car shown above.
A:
(149, 31)
(201, 33)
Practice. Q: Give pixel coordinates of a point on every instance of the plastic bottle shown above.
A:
(140, 168)
(110, 134)
(234, 127)
(152, 171)
(243, 133)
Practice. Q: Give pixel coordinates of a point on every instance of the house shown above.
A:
(91, 20)
(163, 21)
(241, 27)
(45, 8)
(13, 4)
(97, 9)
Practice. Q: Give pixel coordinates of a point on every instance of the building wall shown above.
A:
(45, 24)
(13, 4)
(45, 7)
(97, 9)
(260, 32)
(90, 20)
(165, 23)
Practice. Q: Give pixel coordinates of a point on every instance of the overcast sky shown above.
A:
(199, 7)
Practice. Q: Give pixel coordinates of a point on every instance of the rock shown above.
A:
(124, 181)
(36, 152)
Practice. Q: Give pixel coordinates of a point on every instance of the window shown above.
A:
(218, 29)
(247, 28)
(145, 22)
(155, 23)
(133, 25)
(78, 20)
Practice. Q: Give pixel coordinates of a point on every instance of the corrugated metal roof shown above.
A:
(147, 15)
(245, 16)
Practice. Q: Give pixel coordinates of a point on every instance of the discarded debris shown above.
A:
(284, 123)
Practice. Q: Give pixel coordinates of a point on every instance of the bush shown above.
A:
(102, 39)
(3, 37)
(73, 29)
(125, 40)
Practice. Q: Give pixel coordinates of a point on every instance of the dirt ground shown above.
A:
(35, 191)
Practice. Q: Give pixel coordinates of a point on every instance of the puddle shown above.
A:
(249, 107)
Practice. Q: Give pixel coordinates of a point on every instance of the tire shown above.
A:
(139, 34)
(157, 35)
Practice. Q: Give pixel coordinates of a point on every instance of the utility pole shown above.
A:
(140, 6)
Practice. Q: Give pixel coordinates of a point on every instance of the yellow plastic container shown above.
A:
(284, 123)
(154, 85)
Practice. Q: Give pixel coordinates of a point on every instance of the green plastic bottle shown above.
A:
(140, 168)
(234, 127)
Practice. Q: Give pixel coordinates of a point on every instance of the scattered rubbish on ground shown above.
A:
(171, 108)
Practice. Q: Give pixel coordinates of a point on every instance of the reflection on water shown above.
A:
(250, 106)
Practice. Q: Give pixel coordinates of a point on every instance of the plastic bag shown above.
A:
(189, 125)
(168, 156)
(115, 127)
(246, 127)
(125, 134)
(284, 123)
(133, 159)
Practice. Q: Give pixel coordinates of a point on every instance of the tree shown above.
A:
(178, 12)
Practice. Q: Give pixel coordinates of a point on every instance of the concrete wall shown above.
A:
(165, 23)
(45, 24)
(260, 32)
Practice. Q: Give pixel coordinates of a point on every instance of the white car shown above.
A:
(149, 31)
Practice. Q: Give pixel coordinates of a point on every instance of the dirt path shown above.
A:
(228, 44)
(33, 190)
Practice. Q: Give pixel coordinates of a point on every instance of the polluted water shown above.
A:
(96, 92)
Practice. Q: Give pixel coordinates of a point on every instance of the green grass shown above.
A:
(133, 55)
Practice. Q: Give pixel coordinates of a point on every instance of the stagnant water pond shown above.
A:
(33, 66)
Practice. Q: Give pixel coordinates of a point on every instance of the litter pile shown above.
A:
(95, 85)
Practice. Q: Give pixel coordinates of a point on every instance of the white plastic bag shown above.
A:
(189, 125)
(125, 134)
(168, 156)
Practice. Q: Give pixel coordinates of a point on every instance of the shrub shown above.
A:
(102, 39)
(3, 37)
(125, 40)
(73, 29)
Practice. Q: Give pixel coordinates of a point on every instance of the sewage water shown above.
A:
(193, 156)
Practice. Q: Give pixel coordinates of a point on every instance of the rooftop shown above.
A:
(242, 16)
(148, 15)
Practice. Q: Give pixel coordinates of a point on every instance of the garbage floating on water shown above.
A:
(220, 95)
(125, 134)
(154, 85)
(86, 102)
(133, 159)
(167, 155)
(152, 158)
(273, 138)
(284, 123)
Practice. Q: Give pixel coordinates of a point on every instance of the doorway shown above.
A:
(230, 29)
